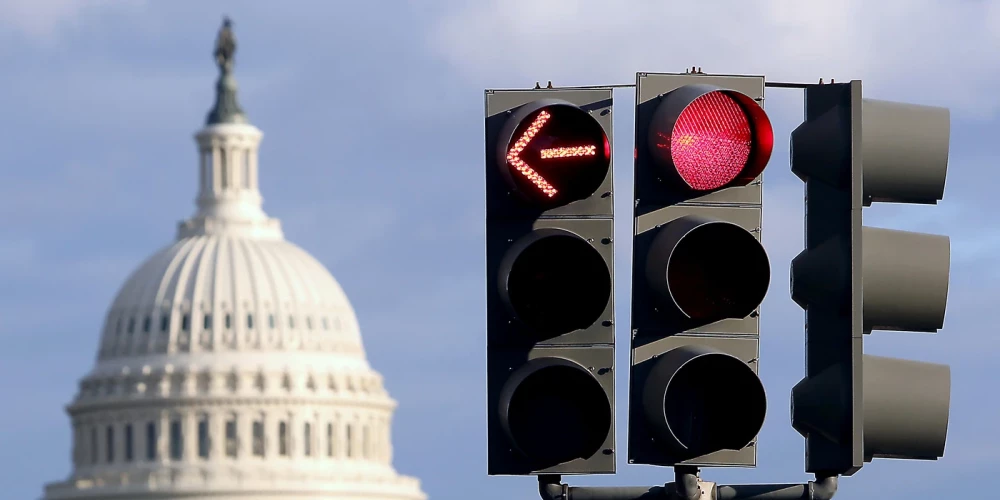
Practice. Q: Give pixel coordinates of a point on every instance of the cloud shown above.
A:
(43, 20)
(940, 51)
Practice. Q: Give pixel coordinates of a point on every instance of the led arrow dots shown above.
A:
(515, 160)
(569, 152)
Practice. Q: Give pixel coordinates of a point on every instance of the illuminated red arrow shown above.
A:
(514, 158)
(569, 152)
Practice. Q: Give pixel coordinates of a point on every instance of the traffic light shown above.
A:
(699, 272)
(549, 258)
(852, 279)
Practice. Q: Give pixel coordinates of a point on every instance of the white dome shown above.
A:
(223, 294)
(231, 364)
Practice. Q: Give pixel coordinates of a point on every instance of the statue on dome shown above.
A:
(225, 46)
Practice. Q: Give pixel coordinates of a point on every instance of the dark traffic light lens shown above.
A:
(558, 413)
(710, 270)
(558, 284)
(715, 402)
(711, 139)
(556, 154)
(700, 400)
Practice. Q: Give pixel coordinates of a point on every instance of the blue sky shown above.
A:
(372, 159)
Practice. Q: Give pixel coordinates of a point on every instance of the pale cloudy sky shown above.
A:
(372, 158)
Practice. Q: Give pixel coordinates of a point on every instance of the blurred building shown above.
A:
(230, 364)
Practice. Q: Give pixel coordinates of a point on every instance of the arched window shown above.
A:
(109, 450)
(231, 445)
(185, 322)
(229, 322)
(203, 437)
(176, 440)
(208, 321)
(250, 321)
(165, 322)
(307, 439)
(329, 439)
(128, 443)
(282, 438)
(151, 441)
(258, 438)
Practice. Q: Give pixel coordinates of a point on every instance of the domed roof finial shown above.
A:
(225, 46)
(226, 109)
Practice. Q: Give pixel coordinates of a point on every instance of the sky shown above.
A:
(373, 160)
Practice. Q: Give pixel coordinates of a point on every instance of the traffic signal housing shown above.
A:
(852, 279)
(699, 270)
(549, 258)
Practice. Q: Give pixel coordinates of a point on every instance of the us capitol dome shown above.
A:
(230, 364)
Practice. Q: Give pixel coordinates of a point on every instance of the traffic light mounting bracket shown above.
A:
(687, 485)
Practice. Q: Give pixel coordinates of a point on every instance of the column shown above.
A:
(139, 436)
(388, 439)
(119, 430)
(276, 419)
(97, 441)
(294, 430)
(380, 432)
(76, 446)
(244, 434)
(216, 159)
(163, 438)
(189, 435)
(253, 167)
(217, 435)
(245, 168)
(202, 171)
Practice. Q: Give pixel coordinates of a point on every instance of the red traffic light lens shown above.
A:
(555, 282)
(554, 154)
(707, 269)
(711, 138)
(711, 141)
(554, 411)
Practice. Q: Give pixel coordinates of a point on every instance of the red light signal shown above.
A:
(553, 153)
(699, 271)
(707, 138)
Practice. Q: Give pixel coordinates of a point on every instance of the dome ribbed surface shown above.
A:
(224, 293)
